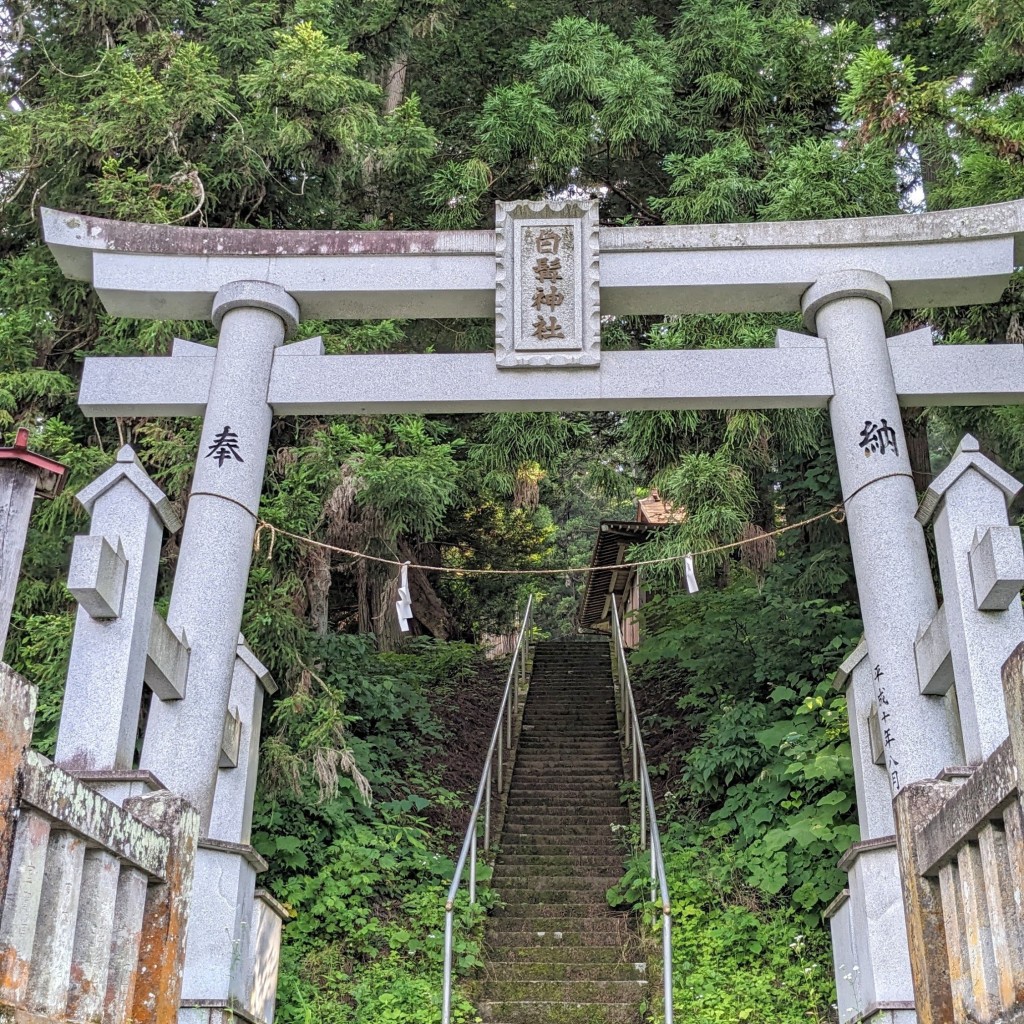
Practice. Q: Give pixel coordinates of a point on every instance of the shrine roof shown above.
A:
(613, 535)
(655, 510)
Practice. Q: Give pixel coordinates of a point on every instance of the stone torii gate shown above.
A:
(549, 267)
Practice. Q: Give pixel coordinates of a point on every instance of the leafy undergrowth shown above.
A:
(367, 882)
(737, 956)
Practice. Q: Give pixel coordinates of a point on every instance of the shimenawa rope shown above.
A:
(836, 513)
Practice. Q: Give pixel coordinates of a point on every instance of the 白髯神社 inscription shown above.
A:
(547, 275)
(547, 284)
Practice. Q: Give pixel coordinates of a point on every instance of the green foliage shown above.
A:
(366, 879)
(771, 769)
(734, 957)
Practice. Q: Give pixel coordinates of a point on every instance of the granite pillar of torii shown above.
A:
(846, 276)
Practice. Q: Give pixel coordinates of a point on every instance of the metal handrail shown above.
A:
(508, 709)
(648, 816)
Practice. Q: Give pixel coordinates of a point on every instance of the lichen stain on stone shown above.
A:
(14, 971)
(64, 798)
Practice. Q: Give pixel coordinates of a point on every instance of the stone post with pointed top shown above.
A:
(113, 576)
(981, 565)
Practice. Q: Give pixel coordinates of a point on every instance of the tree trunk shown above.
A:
(394, 83)
(915, 426)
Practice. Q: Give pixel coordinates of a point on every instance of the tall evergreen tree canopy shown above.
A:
(420, 114)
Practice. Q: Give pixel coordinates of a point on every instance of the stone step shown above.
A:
(556, 758)
(583, 702)
(557, 919)
(531, 909)
(566, 757)
(527, 785)
(568, 990)
(548, 879)
(534, 1012)
(547, 970)
(564, 787)
(558, 830)
(551, 819)
(553, 674)
(561, 736)
(525, 864)
(562, 763)
(558, 668)
(588, 690)
(584, 883)
(598, 801)
(600, 776)
(561, 791)
(572, 710)
(560, 954)
(561, 741)
(602, 715)
(591, 680)
(574, 842)
(566, 936)
(566, 735)
(564, 849)
(607, 854)
(563, 744)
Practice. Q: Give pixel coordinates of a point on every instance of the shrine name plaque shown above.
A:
(547, 299)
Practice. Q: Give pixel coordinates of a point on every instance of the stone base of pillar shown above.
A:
(210, 1011)
(234, 939)
(889, 1014)
(869, 938)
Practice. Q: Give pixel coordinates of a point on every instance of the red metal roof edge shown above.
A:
(53, 474)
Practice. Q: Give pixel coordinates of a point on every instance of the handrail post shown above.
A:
(446, 998)
(643, 819)
(487, 808)
(472, 868)
(666, 957)
(501, 772)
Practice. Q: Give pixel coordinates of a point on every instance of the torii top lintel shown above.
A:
(950, 257)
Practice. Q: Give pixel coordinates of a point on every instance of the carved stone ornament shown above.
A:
(547, 295)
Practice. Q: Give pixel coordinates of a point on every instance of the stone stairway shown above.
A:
(557, 954)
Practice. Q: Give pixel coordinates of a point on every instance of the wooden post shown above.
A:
(17, 715)
(17, 492)
(22, 474)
